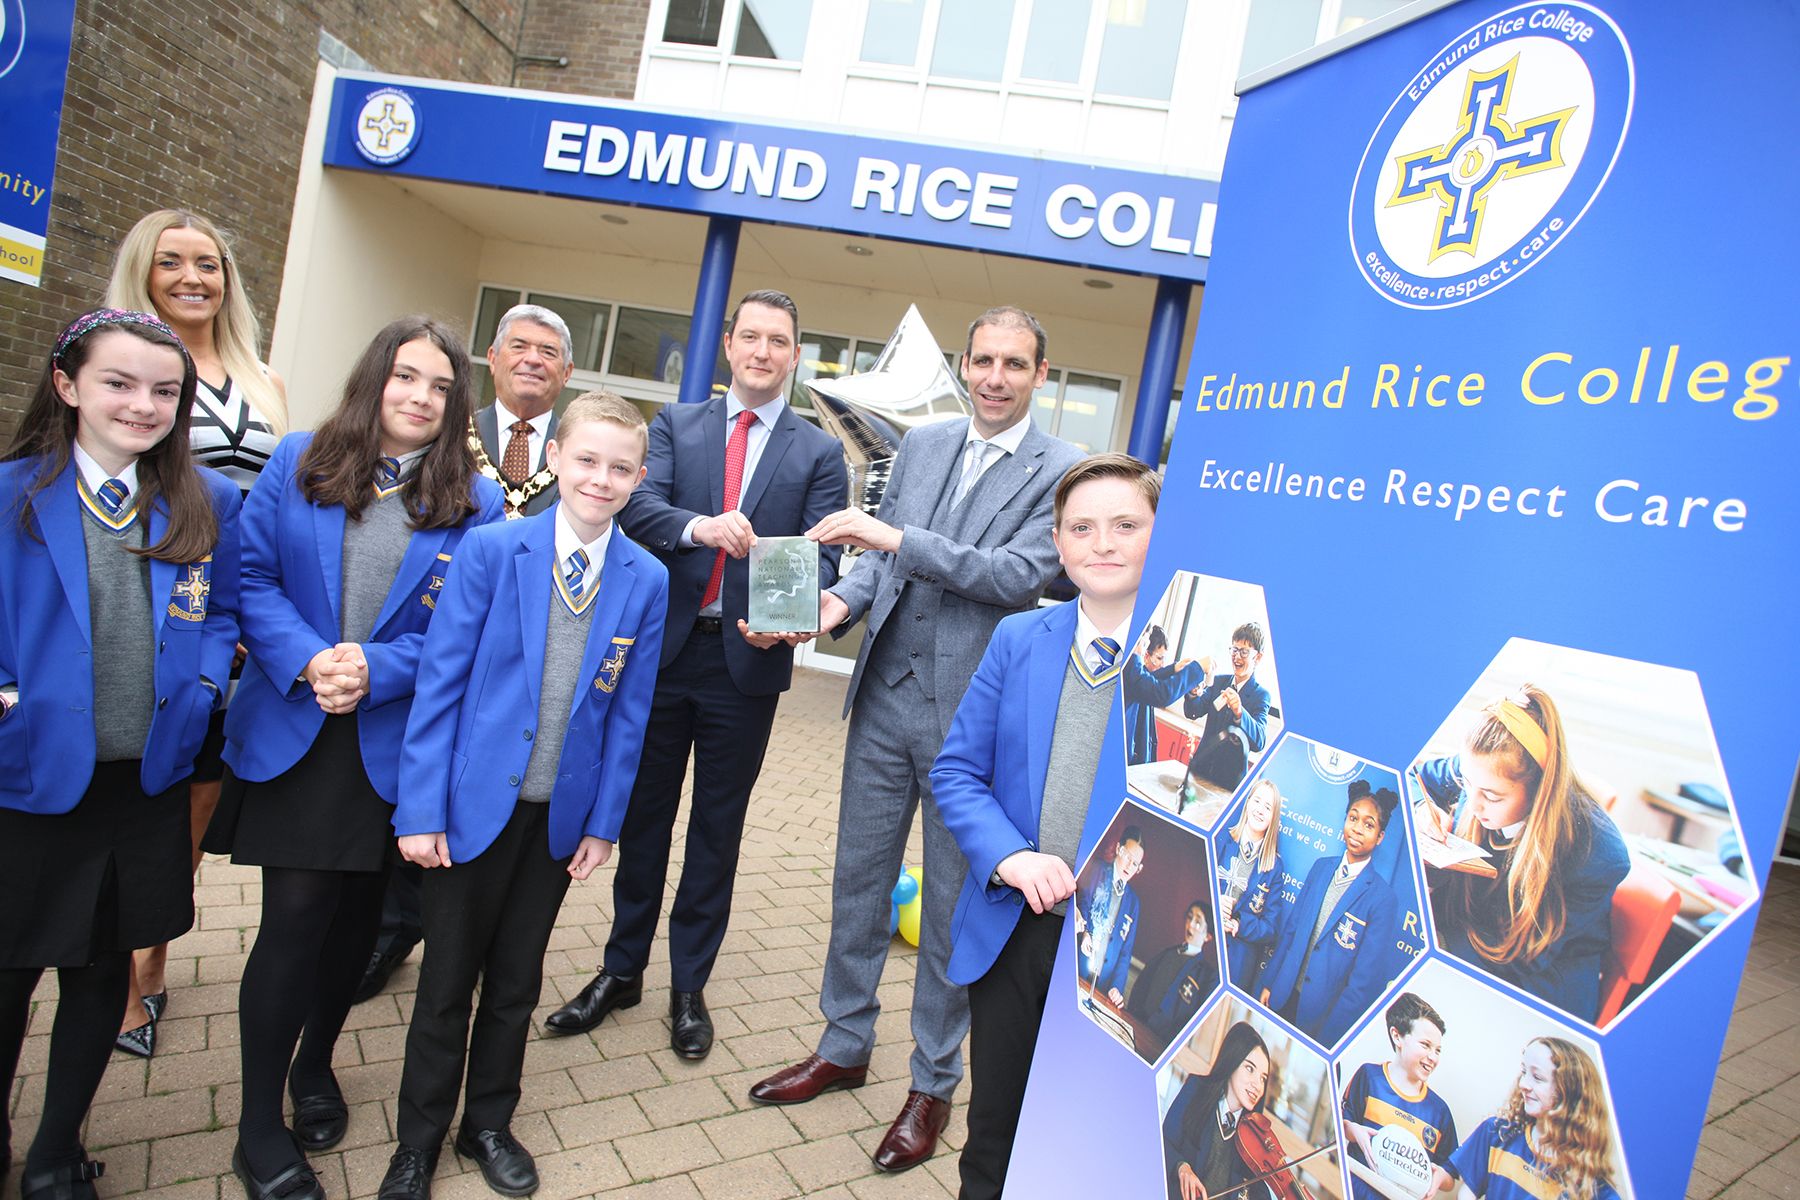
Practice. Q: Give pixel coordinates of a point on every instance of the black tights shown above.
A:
(81, 1042)
(318, 929)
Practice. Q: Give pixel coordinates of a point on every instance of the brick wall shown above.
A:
(203, 105)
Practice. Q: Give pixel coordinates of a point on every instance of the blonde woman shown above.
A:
(1552, 1137)
(1250, 884)
(1544, 923)
(179, 266)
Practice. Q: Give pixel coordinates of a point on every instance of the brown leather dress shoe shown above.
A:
(805, 1079)
(912, 1138)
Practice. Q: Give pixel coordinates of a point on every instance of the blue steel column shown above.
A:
(1162, 350)
(716, 264)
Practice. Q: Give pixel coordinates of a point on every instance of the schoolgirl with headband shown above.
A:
(1544, 922)
(118, 618)
(348, 536)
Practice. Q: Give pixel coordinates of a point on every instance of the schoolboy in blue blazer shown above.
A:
(534, 690)
(46, 763)
(1013, 781)
(1327, 972)
(293, 589)
(1149, 684)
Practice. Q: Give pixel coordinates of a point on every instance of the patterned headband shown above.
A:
(101, 318)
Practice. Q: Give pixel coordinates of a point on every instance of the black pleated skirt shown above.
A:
(113, 873)
(321, 814)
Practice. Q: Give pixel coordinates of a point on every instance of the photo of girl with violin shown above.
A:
(1542, 917)
(349, 533)
(118, 618)
(1249, 881)
(1552, 1137)
(1219, 1134)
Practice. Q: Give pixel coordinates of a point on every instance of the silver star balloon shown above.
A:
(908, 385)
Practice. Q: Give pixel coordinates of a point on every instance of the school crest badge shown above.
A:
(613, 665)
(187, 600)
(1348, 931)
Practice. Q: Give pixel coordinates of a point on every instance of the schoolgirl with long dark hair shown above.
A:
(118, 618)
(348, 534)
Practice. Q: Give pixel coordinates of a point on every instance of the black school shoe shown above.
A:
(690, 1025)
(71, 1181)
(409, 1174)
(320, 1121)
(506, 1165)
(295, 1181)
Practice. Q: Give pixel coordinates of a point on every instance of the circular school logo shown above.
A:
(12, 34)
(387, 127)
(1490, 154)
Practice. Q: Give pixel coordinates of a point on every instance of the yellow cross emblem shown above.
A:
(611, 669)
(194, 589)
(387, 124)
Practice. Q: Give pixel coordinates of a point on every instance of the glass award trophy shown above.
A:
(784, 585)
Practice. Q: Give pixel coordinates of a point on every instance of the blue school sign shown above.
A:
(1060, 211)
(34, 63)
(1495, 396)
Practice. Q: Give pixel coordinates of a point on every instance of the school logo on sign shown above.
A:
(387, 127)
(1490, 154)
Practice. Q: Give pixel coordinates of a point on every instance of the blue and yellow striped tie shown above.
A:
(1107, 651)
(387, 472)
(112, 496)
(576, 574)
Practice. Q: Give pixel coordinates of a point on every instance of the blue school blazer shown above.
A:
(475, 719)
(1348, 966)
(293, 608)
(988, 779)
(46, 643)
(1258, 914)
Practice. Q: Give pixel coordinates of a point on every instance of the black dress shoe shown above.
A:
(409, 1174)
(381, 967)
(593, 1002)
(690, 1025)
(505, 1164)
(71, 1181)
(295, 1181)
(320, 1121)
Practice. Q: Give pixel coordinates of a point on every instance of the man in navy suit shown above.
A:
(721, 473)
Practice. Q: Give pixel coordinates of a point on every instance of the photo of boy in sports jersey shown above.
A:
(1397, 1093)
(1458, 1090)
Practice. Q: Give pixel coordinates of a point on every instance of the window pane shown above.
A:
(1277, 29)
(1089, 405)
(494, 302)
(587, 327)
(1043, 403)
(1361, 12)
(653, 345)
(866, 354)
(891, 34)
(1169, 427)
(1137, 57)
(971, 39)
(820, 355)
(1056, 40)
(695, 22)
(774, 29)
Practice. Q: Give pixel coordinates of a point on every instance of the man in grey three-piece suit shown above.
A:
(962, 539)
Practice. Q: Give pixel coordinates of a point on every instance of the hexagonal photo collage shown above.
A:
(1378, 983)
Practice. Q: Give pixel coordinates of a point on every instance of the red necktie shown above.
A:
(735, 448)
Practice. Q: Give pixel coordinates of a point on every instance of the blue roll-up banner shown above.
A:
(1481, 528)
(34, 64)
